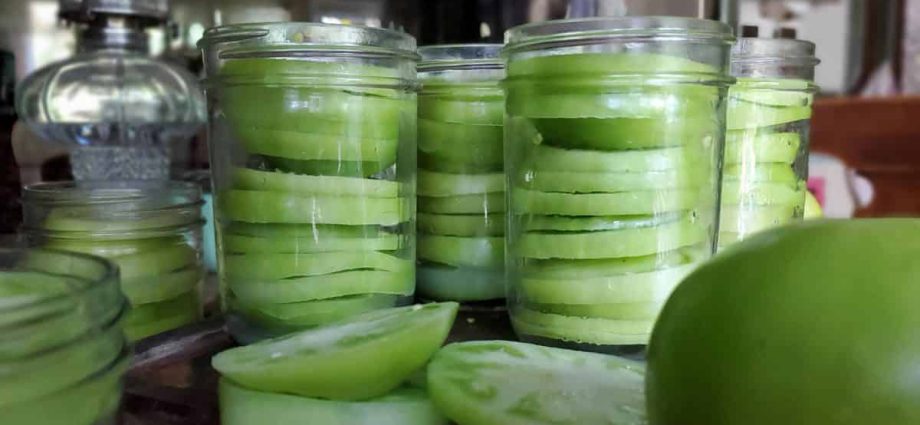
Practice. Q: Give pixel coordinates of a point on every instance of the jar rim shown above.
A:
(463, 56)
(601, 29)
(283, 39)
(107, 275)
(176, 194)
(751, 50)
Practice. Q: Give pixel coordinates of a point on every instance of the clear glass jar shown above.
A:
(461, 185)
(152, 233)
(62, 349)
(313, 157)
(766, 142)
(613, 133)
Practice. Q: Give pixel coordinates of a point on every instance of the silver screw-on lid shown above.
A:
(85, 10)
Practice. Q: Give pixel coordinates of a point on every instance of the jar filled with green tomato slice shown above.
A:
(62, 348)
(151, 232)
(461, 185)
(313, 157)
(766, 142)
(613, 133)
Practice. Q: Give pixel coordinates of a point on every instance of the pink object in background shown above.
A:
(817, 186)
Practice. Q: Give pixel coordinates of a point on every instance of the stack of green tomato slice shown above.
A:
(356, 371)
(461, 189)
(158, 259)
(61, 354)
(614, 188)
(765, 156)
(315, 206)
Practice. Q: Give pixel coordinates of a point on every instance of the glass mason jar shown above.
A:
(613, 134)
(461, 184)
(152, 233)
(62, 349)
(766, 142)
(313, 157)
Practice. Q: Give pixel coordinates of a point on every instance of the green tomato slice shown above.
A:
(548, 158)
(405, 406)
(462, 251)
(312, 231)
(151, 289)
(468, 144)
(296, 316)
(158, 262)
(587, 64)
(581, 329)
(461, 225)
(307, 146)
(513, 383)
(595, 268)
(616, 311)
(334, 285)
(250, 179)
(271, 207)
(109, 248)
(575, 182)
(273, 72)
(812, 208)
(139, 331)
(243, 244)
(327, 168)
(615, 134)
(461, 284)
(747, 115)
(150, 319)
(627, 287)
(745, 146)
(435, 163)
(360, 358)
(478, 110)
(761, 193)
(484, 203)
(435, 184)
(762, 172)
(773, 92)
(589, 224)
(605, 204)
(272, 266)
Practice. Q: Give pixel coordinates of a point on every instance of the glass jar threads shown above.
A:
(461, 185)
(313, 155)
(62, 349)
(766, 142)
(152, 233)
(612, 139)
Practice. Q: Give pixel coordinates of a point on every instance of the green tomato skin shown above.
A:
(814, 323)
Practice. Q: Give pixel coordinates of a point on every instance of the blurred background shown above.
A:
(866, 129)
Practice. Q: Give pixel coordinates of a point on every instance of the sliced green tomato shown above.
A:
(512, 383)
(796, 94)
(405, 406)
(598, 268)
(614, 134)
(328, 168)
(762, 172)
(749, 146)
(482, 110)
(312, 231)
(95, 220)
(272, 266)
(158, 262)
(273, 71)
(185, 305)
(307, 146)
(113, 247)
(468, 144)
(605, 204)
(483, 165)
(313, 313)
(615, 311)
(485, 203)
(641, 286)
(243, 244)
(761, 193)
(812, 207)
(604, 63)
(569, 182)
(271, 207)
(435, 184)
(590, 224)
(151, 289)
(727, 238)
(459, 283)
(462, 225)
(333, 285)
(612, 243)
(750, 219)
(462, 251)
(581, 329)
(548, 158)
(360, 358)
(138, 331)
(250, 179)
(747, 115)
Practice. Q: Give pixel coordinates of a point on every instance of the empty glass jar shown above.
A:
(613, 134)
(153, 234)
(62, 350)
(313, 155)
(461, 185)
(766, 144)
